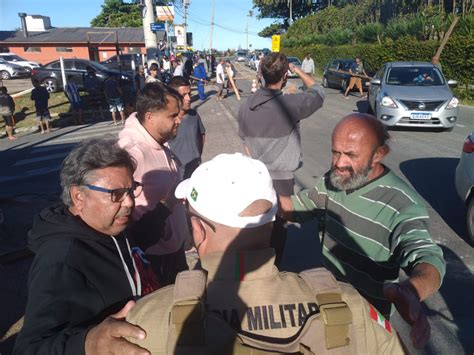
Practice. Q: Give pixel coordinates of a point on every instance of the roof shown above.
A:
(78, 35)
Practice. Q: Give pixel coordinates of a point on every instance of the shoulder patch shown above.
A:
(376, 316)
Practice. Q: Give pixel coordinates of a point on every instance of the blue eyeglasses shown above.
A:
(118, 195)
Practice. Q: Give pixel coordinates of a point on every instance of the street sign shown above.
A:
(275, 43)
(157, 26)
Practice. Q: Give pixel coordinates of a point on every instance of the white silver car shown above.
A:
(413, 94)
(464, 181)
(15, 59)
(9, 71)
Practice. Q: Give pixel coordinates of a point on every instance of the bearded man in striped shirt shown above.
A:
(372, 225)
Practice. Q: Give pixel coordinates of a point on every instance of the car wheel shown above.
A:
(325, 82)
(5, 75)
(344, 85)
(50, 84)
(470, 220)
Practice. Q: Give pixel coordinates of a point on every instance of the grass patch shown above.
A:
(25, 112)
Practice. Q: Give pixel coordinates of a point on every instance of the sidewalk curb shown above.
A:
(21, 93)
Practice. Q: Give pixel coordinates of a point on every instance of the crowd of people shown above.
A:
(144, 200)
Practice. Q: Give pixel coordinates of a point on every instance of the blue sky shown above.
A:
(231, 14)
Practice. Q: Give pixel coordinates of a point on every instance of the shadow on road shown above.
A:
(433, 178)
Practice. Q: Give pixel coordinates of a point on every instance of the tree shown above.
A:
(280, 9)
(116, 13)
(274, 29)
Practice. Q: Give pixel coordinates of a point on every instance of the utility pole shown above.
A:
(212, 26)
(148, 16)
(247, 28)
(186, 4)
(290, 4)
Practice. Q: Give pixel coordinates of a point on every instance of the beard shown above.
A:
(354, 181)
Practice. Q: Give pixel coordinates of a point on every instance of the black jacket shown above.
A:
(77, 279)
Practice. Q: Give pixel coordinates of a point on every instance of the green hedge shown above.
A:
(457, 58)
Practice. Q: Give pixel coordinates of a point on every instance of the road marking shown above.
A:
(71, 139)
(43, 158)
(82, 132)
(460, 125)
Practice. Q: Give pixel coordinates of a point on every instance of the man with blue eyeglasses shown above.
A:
(83, 280)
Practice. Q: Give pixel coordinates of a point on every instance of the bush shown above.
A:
(456, 59)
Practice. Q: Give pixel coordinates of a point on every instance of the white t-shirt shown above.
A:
(219, 72)
(178, 71)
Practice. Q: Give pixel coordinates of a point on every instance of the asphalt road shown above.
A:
(424, 159)
(17, 85)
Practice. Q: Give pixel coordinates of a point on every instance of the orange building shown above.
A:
(41, 43)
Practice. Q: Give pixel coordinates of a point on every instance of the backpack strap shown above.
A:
(335, 312)
(187, 318)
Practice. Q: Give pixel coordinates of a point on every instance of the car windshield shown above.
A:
(294, 60)
(15, 57)
(414, 76)
(99, 66)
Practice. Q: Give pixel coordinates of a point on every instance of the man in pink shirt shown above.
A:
(159, 231)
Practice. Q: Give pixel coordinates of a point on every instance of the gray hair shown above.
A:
(97, 153)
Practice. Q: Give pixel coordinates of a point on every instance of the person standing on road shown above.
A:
(153, 77)
(113, 94)
(72, 93)
(269, 125)
(83, 280)
(178, 67)
(308, 65)
(356, 68)
(41, 96)
(145, 137)
(373, 224)
(93, 87)
(7, 109)
(188, 144)
(220, 78)
(199, 72)
(239, 297)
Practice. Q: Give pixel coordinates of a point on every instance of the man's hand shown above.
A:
(407, 302)
(107, 337)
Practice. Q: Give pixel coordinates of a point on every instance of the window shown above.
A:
(57, 65)
(32, 49)
(81, 66)
(63, 49)
(334, 65)
(134, 50)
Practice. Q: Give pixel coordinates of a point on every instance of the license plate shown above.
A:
(420, 116)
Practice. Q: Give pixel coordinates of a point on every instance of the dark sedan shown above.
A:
(49, 75)
(333, 76)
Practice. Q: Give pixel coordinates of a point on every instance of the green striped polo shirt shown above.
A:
(371, 232)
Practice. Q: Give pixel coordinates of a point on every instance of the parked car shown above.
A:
(334, 78)
(49, 75)
(464, 181)
(297, 63)
(413, 94)
(10, 71)
(240, 56)
(15, 59)
(123, 62)
(250, 61)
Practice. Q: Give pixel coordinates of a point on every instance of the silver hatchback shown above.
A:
(464, 182)
(413, 94)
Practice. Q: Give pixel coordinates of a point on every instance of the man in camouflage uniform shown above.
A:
(240, 300)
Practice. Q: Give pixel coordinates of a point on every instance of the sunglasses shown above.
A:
(118, 195)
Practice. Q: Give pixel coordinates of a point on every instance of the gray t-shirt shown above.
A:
(186, 145)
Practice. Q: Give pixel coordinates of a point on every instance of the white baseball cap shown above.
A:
(225, 186)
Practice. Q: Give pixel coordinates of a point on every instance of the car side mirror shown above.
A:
(375, 82)
(452, 83)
